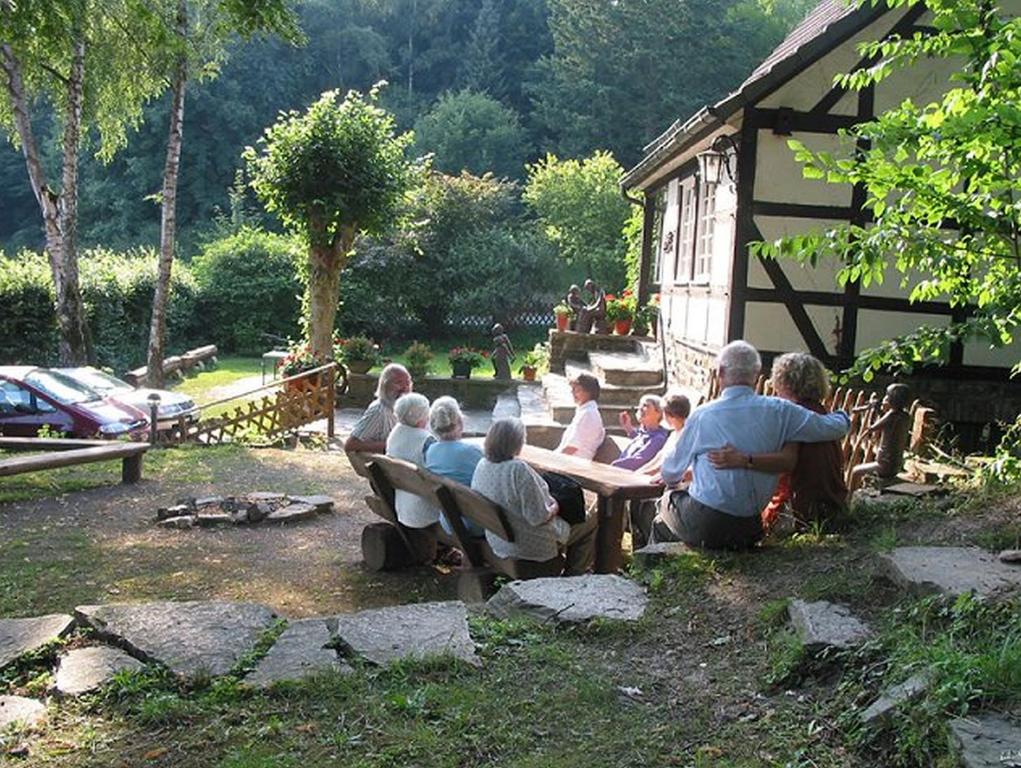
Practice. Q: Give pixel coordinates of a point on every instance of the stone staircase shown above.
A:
(627, 368)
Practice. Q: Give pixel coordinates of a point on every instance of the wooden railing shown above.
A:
(288, 404)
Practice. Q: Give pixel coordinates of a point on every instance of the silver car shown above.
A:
(173, 405)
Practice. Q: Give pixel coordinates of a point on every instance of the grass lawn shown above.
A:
(227, 371)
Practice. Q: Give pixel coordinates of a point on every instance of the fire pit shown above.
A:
(249, 509)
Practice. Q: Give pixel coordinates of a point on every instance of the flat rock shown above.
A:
(1010, 556)
(322, 503)
(299, 652)
(292, 513)
(264, 496)
(384, 635)
(17, 709)
(21, 636)
(191, 638)
(85, 669)
(894, 696)
(987, 741)
(209, 501)
(951, 571)
(572, 599)
(916, 490)
(214, 519)
(652, 554)
(179, 523)
(826, 625)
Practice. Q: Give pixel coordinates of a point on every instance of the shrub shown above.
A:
(356, 348)
(418, 357)
(250, 286)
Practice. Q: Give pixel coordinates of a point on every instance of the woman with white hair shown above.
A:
(408, 440)
(450, 456)
(532, 512)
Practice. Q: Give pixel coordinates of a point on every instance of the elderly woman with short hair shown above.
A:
(532, 512)
(408, 440)
(450, 456)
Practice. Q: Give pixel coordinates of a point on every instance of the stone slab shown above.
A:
(191, 638)
(214, 519)
(321, 502)
(17, 709)
(1010, 556)
(951, 571)
(571, 600)
(299, 652)
(826, 625)
(264, 496)
(987, 741)
(384, 635)
(82, 670)
(292, 513)
(917, 490)
(893, 697)
(21, 636)
(178, 523)
(653, 554)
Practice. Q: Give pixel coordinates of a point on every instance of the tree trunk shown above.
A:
(168, 210)
(59, 211)
(325, 265)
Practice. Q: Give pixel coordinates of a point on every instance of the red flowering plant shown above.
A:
(356, 348)
(299, 359)
(466, 356)
(621, 307)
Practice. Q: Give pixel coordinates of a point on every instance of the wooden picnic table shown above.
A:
(614, 488)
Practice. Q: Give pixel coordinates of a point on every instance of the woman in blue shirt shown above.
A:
(450, 456)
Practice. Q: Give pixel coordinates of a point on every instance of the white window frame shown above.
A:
(686, 226)
(703, 259)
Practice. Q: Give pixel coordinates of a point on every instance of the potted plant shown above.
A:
(620, 310)
(463, 359)
(358, 353)
(533, 359)
(646, 318)
(563, 313)
(299, 359)
(418, 357)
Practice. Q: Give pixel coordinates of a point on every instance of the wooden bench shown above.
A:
(67, 453)
(458, 503)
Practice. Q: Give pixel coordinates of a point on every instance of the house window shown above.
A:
(686, 230)
(706, 225)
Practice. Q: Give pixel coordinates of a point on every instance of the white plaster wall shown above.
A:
(770, 327)
(822, 277)
(875, 326)
(922, 84)
(724, 234)
(804, 90)
(778, 176)
(981, 353)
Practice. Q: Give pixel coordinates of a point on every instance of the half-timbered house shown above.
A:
(698, 229)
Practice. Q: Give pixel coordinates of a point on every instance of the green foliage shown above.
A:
(582, 212)
(249, 286)
(418, 357)
(357, 348)
(117, 289)
(339, 166)
(472, 131)
(940, 182)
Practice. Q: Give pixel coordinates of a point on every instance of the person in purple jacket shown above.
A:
(647, 439)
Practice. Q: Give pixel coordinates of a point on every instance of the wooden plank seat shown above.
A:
(66, 453)
(458, 502)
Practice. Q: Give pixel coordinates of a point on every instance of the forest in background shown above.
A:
(487, 85)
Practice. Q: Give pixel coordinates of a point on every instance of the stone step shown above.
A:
(613, 394)
(627, 369)
(507, 404)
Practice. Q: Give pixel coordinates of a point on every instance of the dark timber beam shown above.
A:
(745, 229)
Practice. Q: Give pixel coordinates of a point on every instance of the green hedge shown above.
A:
(249, 285)
(117, 290)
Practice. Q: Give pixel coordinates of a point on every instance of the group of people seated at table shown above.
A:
(719, 464)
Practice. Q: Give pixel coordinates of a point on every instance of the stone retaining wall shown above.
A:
(471, 393)
(568, 344)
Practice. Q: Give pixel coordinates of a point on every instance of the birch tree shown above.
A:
(80, 57)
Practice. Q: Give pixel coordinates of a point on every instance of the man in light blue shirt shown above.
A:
(721, 507)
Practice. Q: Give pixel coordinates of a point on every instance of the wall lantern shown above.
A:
(713, 161)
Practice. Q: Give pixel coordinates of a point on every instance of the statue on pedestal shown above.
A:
(502, 353)
(592, 318)
(575, 302)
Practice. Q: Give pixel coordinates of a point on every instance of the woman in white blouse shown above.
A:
(408, 440)
(532, 512)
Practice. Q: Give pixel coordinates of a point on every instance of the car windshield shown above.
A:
(98, 380)
(61, 388)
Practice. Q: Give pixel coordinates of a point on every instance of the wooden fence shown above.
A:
(286, 405)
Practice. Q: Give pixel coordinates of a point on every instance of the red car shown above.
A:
(32, 398)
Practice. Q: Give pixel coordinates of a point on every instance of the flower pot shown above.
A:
(562, 322)
(461, 370)
(622, 327)
(359, 366)
(528, 372)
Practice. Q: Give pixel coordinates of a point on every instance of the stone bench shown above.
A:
(67, 453)
(175, 364)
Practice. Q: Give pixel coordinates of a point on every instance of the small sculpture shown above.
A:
(592, 317)
(575, 302)
(894, 429)
(502, 353)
